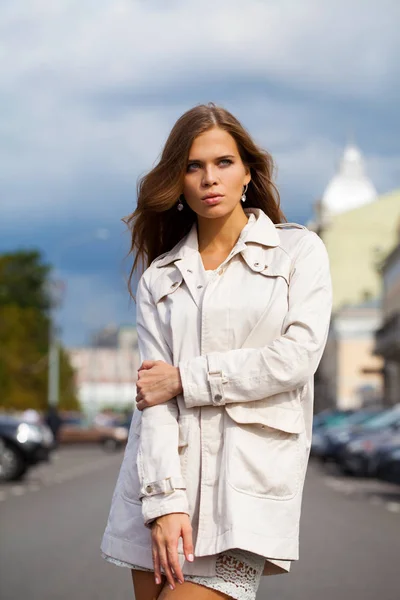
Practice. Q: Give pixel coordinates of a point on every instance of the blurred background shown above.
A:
(88, 94)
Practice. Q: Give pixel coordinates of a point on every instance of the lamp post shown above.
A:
(56, 289)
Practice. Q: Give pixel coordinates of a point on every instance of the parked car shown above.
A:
(389, 466)
(343, 432)
(380, 450)
(22, 445)
(355, 457)
(329, 417)
(75, 429)
(321, 424)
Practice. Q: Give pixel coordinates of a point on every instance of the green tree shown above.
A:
(24, 333)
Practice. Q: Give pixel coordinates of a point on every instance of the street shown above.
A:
(51, 526)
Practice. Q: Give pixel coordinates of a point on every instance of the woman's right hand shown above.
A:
(165, 534)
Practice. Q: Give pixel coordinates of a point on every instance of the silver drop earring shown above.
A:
(243, 198)
(180, 205)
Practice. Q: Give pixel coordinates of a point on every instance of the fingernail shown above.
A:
(171, 586)
(191, 557)
(180, 581)
(158, 581)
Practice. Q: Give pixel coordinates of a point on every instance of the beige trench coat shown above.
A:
(232, 450)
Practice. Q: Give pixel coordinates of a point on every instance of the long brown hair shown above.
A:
(156, 225)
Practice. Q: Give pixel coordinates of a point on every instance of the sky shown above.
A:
(90, 90)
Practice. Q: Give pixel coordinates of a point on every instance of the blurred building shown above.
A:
(359, 228)
(350, 373)
(388, 336)
(106, 369)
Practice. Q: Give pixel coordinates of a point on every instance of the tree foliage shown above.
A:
(24, 333)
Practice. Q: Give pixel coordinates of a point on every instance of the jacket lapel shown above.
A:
(192, 272)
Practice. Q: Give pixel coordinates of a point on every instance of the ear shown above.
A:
(247, 178)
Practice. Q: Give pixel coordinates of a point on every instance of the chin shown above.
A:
(215, 212)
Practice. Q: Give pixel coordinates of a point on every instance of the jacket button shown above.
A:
(218, 398)
(149, 489)
(256, 264)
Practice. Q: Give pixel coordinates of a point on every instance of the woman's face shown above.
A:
(215, 174)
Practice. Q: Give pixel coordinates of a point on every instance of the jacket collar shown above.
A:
(259, 230)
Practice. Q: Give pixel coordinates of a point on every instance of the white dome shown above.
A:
(350, 187)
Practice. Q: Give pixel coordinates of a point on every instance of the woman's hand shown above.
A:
(157, 383)
(165, 534)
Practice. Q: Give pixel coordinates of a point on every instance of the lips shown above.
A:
(212, 199)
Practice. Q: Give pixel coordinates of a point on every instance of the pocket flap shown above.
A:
(165, 285)
(279, 267)
(270, 262)
(275, 271)
(289, 420)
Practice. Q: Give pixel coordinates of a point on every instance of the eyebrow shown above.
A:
(218, 158)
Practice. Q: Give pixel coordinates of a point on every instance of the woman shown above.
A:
(232, 318)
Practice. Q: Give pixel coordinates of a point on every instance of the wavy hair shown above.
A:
(156, 225)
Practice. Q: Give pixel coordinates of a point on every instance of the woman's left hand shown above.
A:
(157, 383)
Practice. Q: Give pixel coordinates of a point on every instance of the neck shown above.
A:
(220, 235)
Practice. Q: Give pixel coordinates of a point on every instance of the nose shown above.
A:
(209, 176)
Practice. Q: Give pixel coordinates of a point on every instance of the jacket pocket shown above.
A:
(266, 452)
(270, 412)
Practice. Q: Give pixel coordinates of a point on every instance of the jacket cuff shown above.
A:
(162, 486)
(158, 506)
(203, 381)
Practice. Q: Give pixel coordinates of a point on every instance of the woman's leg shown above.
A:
(190, 591)
(144, 586)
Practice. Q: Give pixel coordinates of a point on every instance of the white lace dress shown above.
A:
(238, 572)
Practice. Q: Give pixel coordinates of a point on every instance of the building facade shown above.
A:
(388, 336)
(106, 371)
(350, 372)
(359, 228)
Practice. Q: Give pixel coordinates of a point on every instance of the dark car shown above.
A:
(342, 433)
(382, 458)
(322, 422)
(389, 466)
(356, 454)
(76, 429)
(22, 445)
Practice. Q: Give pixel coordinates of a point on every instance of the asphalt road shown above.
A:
(51, 526)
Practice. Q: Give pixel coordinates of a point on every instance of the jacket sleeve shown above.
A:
(249, 374)
(162, 486)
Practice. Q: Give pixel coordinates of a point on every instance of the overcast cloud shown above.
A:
(89, 91)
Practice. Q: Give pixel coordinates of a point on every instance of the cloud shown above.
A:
(89, 92)
(344, 47)
(95, 88)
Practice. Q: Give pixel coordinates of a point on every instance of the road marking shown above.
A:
(356, 488)
(58, 478)
(375, 500)
(339, 485)
(33, 487)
